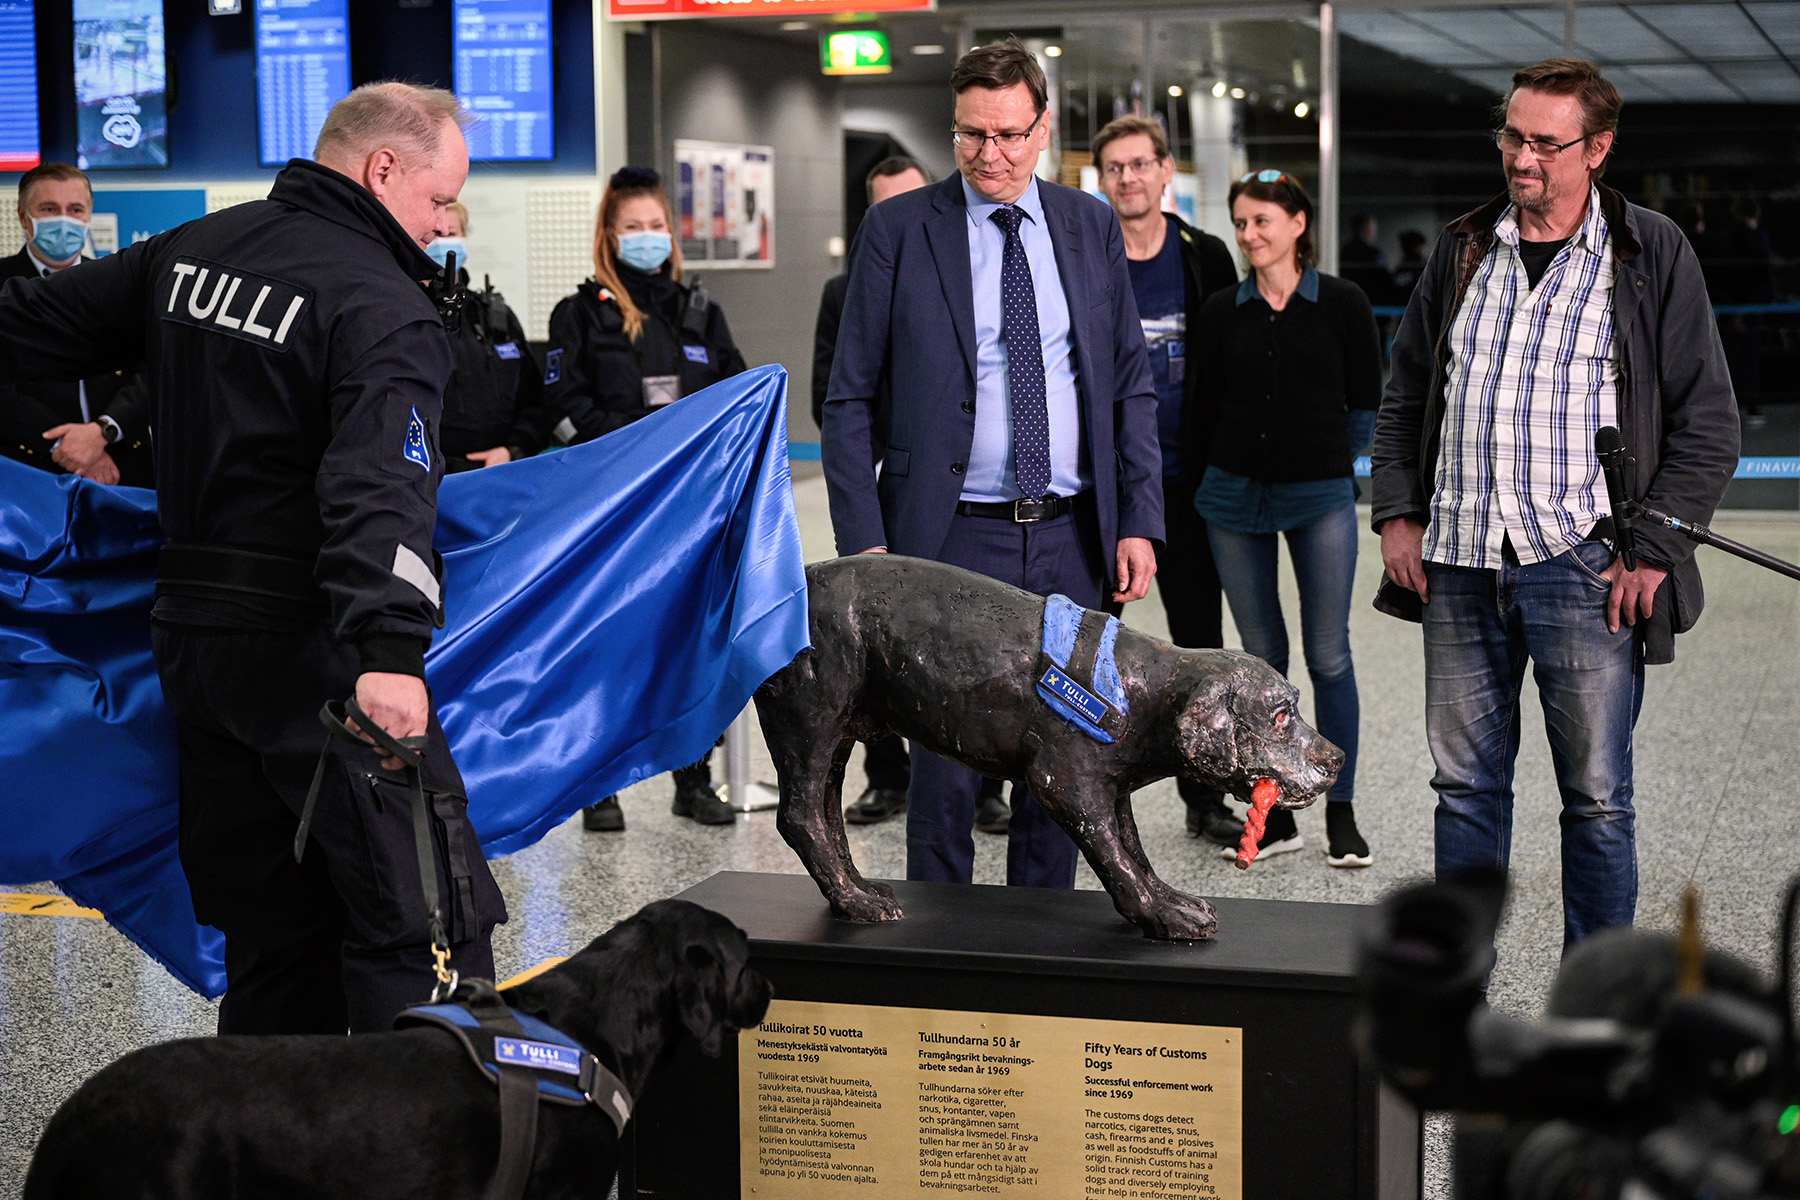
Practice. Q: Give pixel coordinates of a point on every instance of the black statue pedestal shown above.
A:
(1275, 992)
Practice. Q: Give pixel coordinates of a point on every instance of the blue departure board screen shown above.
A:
(121, 75)
(302, 69)
(503, 75)
(18, 87)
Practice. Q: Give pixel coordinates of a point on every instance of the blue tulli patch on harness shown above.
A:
(1087, 705)
(541, 1056)
(417, 450)
(507, 350)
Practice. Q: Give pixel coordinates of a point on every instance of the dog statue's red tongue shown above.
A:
(1262, 799)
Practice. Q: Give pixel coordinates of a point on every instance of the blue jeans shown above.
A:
(1324, 556)
(1480, 627)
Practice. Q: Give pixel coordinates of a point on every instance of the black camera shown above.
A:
(1661, 1070)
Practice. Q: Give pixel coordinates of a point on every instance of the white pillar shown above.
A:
(1326, 236)
(609, 90)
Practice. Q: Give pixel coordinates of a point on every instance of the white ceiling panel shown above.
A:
(1398, 35)
(1764, 82)
(1635, 90)
(1690, 84)
(1497, 82)
(1706, 31)
(1607, 35)
(1496, 35)
(1781, 20)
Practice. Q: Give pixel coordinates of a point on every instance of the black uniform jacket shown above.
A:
(1206, 267)
(30, 406)
(496, 395)
(594, 374)
(297, 369)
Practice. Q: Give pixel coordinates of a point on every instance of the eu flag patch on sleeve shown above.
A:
(553, 366)
(417, 450)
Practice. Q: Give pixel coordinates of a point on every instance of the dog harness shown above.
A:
(530, 1062)
(1077, 676)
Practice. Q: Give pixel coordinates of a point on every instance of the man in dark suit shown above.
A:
(1020, 439)
(97, 427)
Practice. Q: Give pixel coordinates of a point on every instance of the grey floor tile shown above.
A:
(1717, 754)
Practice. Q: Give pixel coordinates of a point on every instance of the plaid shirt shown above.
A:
(1533, 375)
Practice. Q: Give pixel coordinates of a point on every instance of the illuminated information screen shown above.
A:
(302, 69)
(18, 87)
(121, 69)
(503, 75)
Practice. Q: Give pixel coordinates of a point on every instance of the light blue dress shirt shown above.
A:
(990, 474)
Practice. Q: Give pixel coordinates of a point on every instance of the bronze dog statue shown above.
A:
(951, 660)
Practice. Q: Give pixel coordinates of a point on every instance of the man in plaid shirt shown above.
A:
(1552, 311)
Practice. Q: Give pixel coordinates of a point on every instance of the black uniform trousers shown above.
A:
(341, 940)
(1188, 582)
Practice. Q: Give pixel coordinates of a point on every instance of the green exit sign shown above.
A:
(855, 52)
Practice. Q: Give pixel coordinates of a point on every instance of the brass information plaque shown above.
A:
(842, 1100)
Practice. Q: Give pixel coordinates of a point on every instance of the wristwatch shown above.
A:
(109, 429)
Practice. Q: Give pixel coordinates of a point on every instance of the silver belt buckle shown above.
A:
(1026, 510)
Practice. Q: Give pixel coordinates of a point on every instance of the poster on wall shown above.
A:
(120, 75)
(725, 204)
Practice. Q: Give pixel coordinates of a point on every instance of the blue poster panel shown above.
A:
(121, 70)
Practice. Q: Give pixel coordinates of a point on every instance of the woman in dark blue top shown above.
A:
(1292, 363)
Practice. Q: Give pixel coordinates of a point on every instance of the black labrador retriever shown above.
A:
(952, 660)
(403, 1114)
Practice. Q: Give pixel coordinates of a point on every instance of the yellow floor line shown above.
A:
(33, 904)
(532, 973)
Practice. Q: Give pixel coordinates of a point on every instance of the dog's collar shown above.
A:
(567, 1072)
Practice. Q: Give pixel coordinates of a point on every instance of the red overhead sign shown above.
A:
(647, 10)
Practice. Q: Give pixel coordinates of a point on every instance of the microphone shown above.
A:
(1609, 448)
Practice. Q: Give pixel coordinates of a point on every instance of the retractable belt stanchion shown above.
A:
(740, 793)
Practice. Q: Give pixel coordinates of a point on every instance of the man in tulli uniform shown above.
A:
(297, 368)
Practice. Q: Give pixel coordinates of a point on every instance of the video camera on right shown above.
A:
(1661, 1070)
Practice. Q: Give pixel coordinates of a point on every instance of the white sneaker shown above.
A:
(1268, 849)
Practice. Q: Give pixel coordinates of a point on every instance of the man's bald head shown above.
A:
(404, 143)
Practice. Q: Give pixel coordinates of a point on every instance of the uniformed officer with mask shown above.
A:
(632, 339)
(297, 369)
(494, 410)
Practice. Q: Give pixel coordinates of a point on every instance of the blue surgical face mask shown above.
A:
(58, 238)
(440, 249)
(644, 251)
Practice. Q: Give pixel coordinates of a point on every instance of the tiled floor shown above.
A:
(1717, 755)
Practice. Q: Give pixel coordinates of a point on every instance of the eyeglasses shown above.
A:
(1009, 143)
(1512, 143)
(1265, 176)
(1138, 166)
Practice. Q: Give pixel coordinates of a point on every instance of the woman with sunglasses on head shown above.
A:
(632, 339)
(1292, 364)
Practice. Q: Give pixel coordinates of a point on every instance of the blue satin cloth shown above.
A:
(609, 609)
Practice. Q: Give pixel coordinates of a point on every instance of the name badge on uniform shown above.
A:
(696, 354)
(661, 389)
(553, 366)
(416, 450)
(543, 1056)
(507, 350)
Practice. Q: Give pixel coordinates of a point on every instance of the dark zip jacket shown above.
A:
(1206, 267)
(297, 369)
(1676, 407)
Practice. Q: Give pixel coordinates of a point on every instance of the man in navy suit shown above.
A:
(1020, 440)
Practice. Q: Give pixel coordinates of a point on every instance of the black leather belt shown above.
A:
(1022, 512)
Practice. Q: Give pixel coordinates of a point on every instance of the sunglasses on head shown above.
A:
(1267, 175)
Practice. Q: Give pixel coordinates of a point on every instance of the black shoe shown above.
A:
(703, 805)
(1280, 836)
(1346, 845)
(874, 806)
(1214, 822)
(992, 815)
(604, 817)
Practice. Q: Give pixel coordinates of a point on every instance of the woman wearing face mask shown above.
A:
(636, 336)
(1292, 363)
(631, 340)
(494, 408)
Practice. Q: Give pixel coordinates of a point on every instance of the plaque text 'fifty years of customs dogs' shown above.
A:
(841, 1100)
